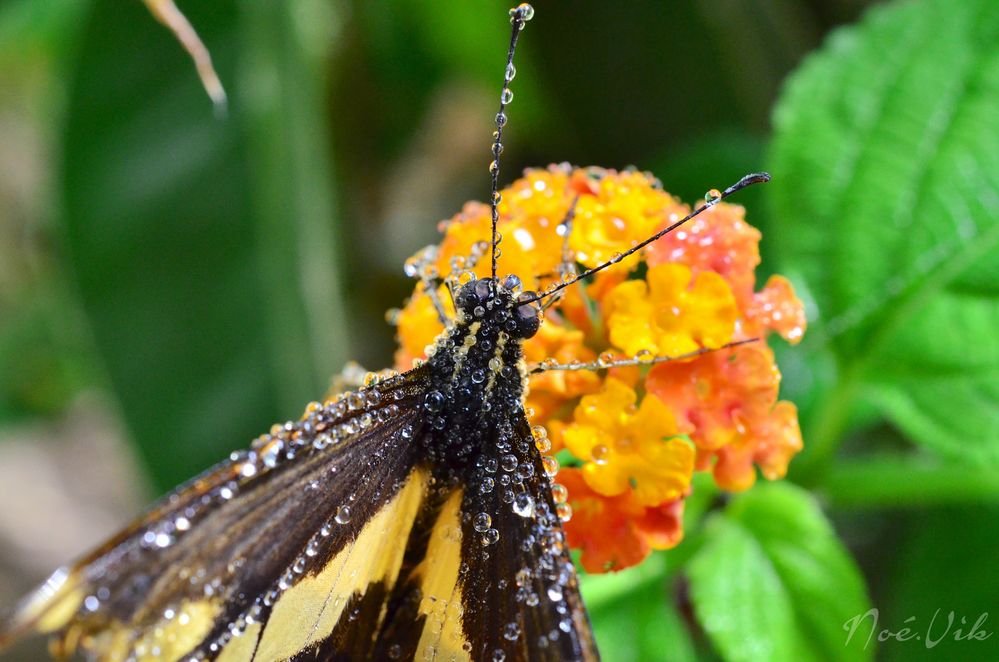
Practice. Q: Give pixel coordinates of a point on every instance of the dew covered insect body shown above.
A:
(477, 372)
(413, 518)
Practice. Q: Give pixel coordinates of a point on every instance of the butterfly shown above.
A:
(412, 518)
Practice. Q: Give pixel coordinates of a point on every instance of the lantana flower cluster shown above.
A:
(630, 437)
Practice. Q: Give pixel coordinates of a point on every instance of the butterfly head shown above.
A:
(499, 303)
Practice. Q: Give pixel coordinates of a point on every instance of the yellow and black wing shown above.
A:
(332, 539)
(491, 578)
(318, 506)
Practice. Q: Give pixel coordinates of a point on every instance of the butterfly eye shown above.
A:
(527, 318)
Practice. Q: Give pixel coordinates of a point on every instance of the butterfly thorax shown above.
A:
(477, 374)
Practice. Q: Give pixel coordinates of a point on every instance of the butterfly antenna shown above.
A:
(518, 17)
(712, 198)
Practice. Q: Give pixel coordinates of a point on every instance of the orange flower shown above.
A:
(628, 448)
(549, 391)
(614, 533)
(728, 402)
(770, 442)
(530, 212)
(776, 307)
(667, 314)
(634, 468)
(717, 241)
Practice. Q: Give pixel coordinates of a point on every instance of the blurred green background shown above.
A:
(172, 282)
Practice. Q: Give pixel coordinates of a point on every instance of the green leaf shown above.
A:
(886, 215)
(208, 292)
(634, 617)
(947, 567)
(773, 582)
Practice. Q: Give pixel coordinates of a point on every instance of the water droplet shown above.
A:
(564, 512)
(555, 593)
(599, 454)
(434, 401)
(342, 515)
(481, 522)
(407, 432)
(511, 72)
(487, 485)
(523, 504)
(644, 356)
(501, 120)
(511, 631)
(606, 359)
(508, 462)
(478, 376)
(559, 493)
(499, 655)
(550, 464)
(490, 537)
(616, 257)
(712, 196)
(495, 364)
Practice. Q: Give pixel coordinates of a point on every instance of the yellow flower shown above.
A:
(631, 473)
(668, 315)
(418, 324)
(549, 391)
(622, 210)
(629, 447)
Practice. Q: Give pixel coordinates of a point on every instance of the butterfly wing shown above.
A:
(264, 549)
(351, 550)
(490, 578)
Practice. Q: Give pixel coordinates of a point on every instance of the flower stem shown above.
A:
(909, 482)
(825, 430)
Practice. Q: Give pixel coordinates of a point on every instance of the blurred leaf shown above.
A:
(193, 301)
(890, 481)
(959, 545)
(633, 617)
(44, 356)
(773, 582)
(886, 202)
(715, 160)
(46, 26)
